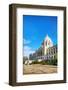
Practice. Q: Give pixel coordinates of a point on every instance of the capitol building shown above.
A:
(47, 51)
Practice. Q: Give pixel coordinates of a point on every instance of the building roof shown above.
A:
(47, 38)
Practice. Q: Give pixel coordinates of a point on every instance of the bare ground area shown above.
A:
(39, 69)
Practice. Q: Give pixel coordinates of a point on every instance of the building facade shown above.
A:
(47, 50)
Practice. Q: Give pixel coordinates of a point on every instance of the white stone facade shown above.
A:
(47, 50)
(47, 43)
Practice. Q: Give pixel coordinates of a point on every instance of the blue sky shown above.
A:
(35, 29)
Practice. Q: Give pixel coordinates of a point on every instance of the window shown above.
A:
(46, 43)
(49, 43)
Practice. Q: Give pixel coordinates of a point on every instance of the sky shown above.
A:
(35, 29)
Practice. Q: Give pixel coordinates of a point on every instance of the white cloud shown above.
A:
(26, 42)
(27, 49)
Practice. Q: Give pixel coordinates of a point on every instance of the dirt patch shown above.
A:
(39, 69)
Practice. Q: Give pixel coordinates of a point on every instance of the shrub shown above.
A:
(41, 62)
(52, 62)
(46, 62)
(35, 62)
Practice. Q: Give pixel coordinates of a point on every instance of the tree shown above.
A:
(24, 59)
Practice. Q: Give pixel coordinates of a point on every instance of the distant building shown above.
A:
(47, 51)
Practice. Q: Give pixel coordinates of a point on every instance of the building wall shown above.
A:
(47, 50)
(52, 52)
(47, 43)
